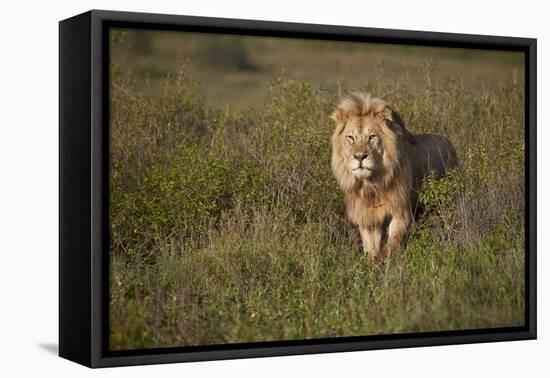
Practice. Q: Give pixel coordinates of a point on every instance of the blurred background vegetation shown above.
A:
(235, 70)
(227, 225)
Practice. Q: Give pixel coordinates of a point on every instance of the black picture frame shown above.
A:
(83, 182)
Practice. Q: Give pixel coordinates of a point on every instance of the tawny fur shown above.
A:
(380, 165)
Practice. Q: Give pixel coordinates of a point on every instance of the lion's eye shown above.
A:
(372, 137)
(350, 139)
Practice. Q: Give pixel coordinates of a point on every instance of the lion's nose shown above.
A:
(361, 156)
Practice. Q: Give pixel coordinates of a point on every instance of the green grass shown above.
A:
(227, 225)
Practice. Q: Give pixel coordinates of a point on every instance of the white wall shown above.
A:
(29, 190)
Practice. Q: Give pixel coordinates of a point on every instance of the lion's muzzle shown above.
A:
(361, 165)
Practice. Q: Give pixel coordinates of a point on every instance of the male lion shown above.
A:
(380, 165)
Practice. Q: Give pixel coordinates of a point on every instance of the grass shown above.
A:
(227, 225)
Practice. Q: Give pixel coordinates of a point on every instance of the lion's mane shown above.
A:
(370, 203)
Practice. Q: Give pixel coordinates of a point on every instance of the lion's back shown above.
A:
(433, 153)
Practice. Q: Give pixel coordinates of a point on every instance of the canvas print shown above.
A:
(273, 189)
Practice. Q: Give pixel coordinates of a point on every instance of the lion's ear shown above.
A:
(396, 123)
(340, 117)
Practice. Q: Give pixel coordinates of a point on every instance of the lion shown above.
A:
(380, 165)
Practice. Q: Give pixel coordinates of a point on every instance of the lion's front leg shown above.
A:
(397, 232)
(371, 237)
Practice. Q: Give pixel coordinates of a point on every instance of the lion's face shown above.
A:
(369, 143)
(362, 146)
